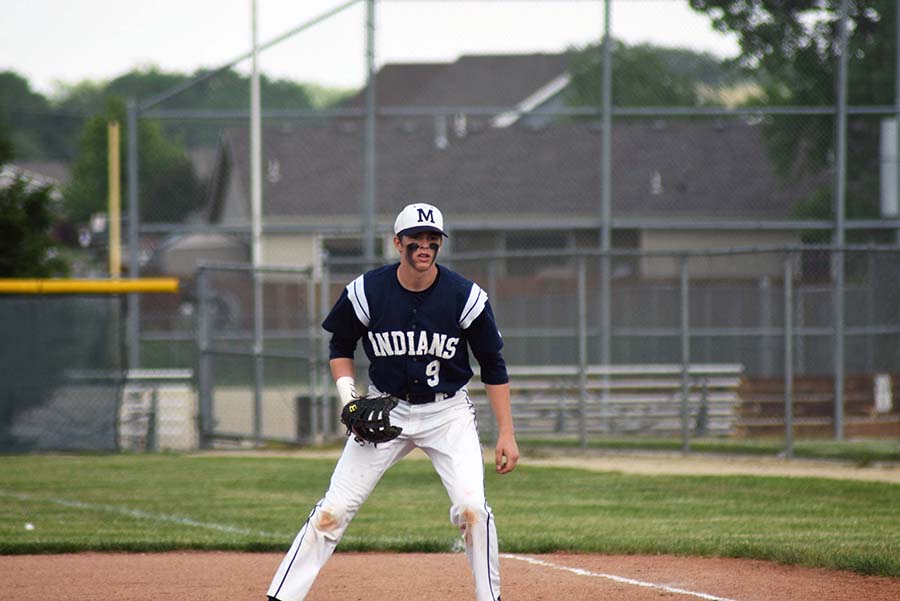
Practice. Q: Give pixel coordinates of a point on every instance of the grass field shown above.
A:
(166, 501)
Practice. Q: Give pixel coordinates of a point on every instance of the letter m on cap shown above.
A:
(426, 215)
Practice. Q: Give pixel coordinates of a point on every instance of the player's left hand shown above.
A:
(506, 453)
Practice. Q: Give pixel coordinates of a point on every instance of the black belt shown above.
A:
(422, 398)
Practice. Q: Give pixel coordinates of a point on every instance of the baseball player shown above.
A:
(417, 321)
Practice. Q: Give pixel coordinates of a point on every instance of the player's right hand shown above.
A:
(506, 454)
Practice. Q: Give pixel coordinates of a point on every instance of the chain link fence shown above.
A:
(695, 351)
(522, 153)
(65, 385)
(773, 324)
(258, 365)
(541, 175)
(62, 372)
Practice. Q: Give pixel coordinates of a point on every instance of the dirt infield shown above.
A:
(196, 576)
(719, 465)
(650, 463)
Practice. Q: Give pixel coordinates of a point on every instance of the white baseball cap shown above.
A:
(417, 218)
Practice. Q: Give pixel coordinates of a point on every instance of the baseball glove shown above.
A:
(369, 419)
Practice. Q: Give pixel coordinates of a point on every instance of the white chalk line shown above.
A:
(186, 521)
(170, 518)
(139, 513)
(614, 578)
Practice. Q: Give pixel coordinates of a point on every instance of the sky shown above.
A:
(54, 43)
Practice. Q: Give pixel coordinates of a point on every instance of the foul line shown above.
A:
(144, 515)
(185, 521)
(174, 519)
(620, 579)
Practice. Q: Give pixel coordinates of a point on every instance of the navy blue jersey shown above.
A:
(417, 342)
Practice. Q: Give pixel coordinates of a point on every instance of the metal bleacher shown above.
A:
(618, 399)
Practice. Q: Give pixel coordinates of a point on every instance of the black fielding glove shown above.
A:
(369, 419)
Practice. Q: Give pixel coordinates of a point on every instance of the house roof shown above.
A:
(499, 80)
(676, 169)
(44, 173)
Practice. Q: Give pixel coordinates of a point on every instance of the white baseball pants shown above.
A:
(446, 431)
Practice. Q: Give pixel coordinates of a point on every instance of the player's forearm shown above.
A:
(498, 395)
(342, 367)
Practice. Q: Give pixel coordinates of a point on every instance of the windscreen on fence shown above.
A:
(63, 372)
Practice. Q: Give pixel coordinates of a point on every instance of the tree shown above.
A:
(27, 248)
(793, 47)
(169, 189)
(6, 147)
(647, 75)
(227, 90)
(47, 128)
(37, 129)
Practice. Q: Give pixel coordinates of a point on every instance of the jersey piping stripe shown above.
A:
(474, 306)
(487, 510)
(356, 292)
(297, 550)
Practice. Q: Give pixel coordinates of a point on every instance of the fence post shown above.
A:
(312, 353)
(765, 317)
(606, 196)
(869, 291)
(685, 358)
(838, 341)
(582, 350)
(897, 117)
(897, 263)
(788, 356)
(153, 425)
(258, 361)
(369, 171)
(800, 315)
(133, 327)
(324, 297)
(492, 289)
(840, 207)
(204, 367)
